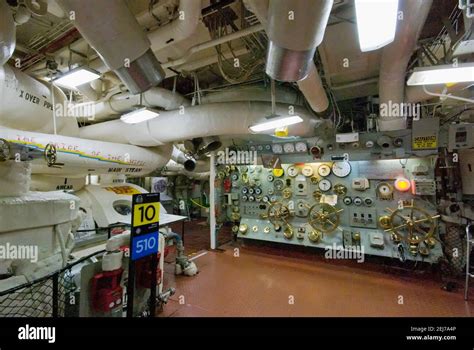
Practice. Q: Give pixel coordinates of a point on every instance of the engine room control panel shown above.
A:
(385, 206)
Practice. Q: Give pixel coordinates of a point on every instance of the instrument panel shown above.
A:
(383, 207)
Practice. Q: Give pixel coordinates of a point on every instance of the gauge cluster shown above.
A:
(321, 203)
(298, 147)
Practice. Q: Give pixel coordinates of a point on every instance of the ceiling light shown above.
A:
(272, 123)
(139, 115)
(77, 77)
(376, 23)
(443, 74)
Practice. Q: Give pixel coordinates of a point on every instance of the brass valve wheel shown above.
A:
(50, 154)
(5, 150)
(277, 214)
(324, 217)
(411, 224)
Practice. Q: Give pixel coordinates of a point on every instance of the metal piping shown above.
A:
(180, 157)
(395, 58)
(112, 30)
(311, 87)
(295, 29)
(7, 33)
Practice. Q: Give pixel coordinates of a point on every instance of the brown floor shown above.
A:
(264, 280)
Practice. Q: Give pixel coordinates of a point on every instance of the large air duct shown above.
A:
(112, 30)
(395, 58)
(223, 119)
(7, 33)
(295, 29)
(311, 86)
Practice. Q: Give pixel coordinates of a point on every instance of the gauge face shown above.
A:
(307, 171)
(324, 170)
(292, 171)
(278, 184)
(277, 148)
(324, 185)
(289, 148)
(341, 169)
(385, 190)
(357, 201)
(301, 147)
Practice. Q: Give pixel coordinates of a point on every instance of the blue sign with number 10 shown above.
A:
(144, 245)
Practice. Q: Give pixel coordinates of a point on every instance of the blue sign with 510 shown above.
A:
(144, 245)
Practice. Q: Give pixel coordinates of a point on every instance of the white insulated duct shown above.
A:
(179, 29)
(112, 30)
(395, 59)
(295, 29)
(26, 104)
(7, 33)
(223, 119)
(311, 86)
(77, 157)
(124, 102)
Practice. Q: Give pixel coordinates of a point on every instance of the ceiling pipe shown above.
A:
(311, 86)
(112, 30)
(395, 59)
(181, 158)
(179, 29)
(124, 102)
(7, 33)
(414, 94)
(295, 29)
(223, 119)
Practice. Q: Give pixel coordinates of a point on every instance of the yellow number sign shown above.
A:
(145, 214)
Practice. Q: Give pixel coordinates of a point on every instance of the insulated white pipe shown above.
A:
(415, 94)
(124, 102)
(253, 93)
(180, 158)
(81, 157)
(181, 28)
(26, 104)
(223, 119)
(7, 33)
(395, 58)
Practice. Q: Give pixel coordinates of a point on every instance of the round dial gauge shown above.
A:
(341, 169)
(292, 171)
(301, 147)
(307, 171)
(324, 170)
(277, 148)
(324, 185)
(289, 148)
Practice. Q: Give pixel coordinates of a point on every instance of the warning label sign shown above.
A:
(425, 142)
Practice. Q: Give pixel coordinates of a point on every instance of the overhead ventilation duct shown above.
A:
(112, 30)
(295, 29)
(223, 119)
(7, 33)
(311, 86)
(395, 59)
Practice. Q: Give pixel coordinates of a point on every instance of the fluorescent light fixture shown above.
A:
(376, 23)
(443, 74)
(139, 115)
(77, 77)
(272, 123)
